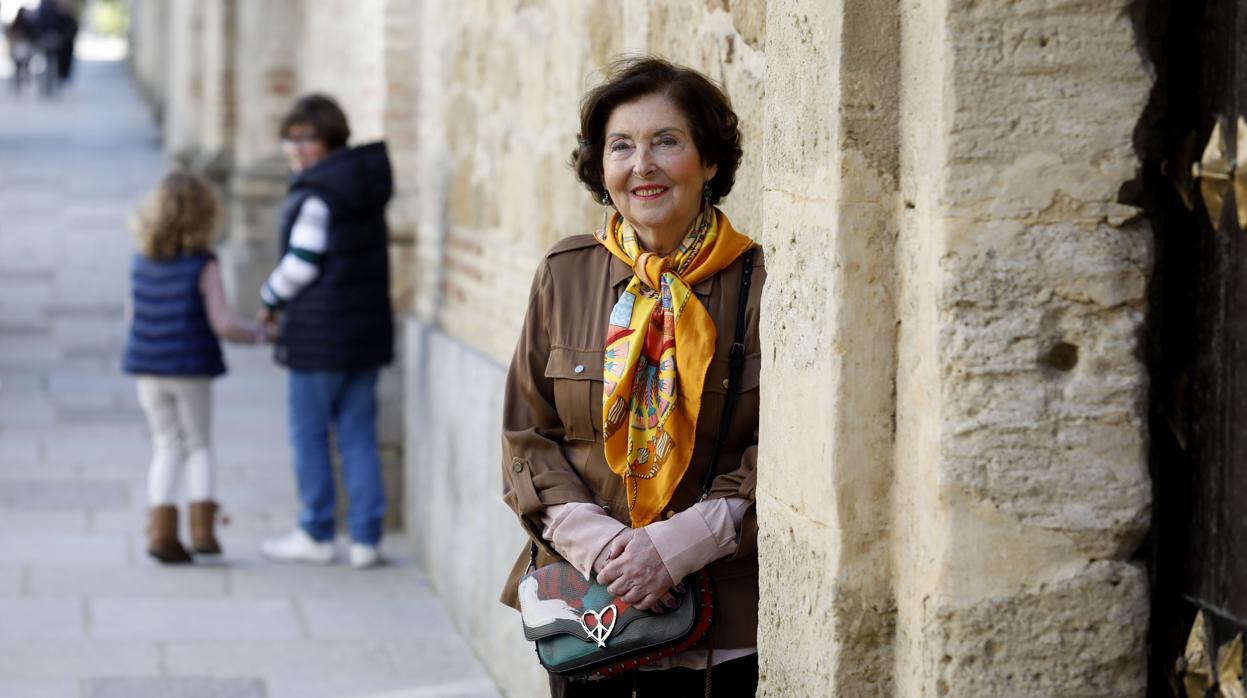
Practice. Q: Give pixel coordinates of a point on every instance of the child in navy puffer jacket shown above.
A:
(178, 313)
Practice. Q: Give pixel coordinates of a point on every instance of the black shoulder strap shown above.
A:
(736, 362)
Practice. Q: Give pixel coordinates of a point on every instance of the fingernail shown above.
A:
(680, 587)
(673, 604)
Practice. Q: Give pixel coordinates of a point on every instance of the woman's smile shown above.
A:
(649, 193)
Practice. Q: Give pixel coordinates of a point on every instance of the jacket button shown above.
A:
(580, 368)
(670, 513)
(725, 381)
(517, 465)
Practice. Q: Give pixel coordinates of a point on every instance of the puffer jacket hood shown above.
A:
(357, 179)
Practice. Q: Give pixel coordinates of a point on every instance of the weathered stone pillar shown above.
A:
(829, 219)
(953, 405)
(184, 86)
(149, 22)
(265, 82)
(1020, 448)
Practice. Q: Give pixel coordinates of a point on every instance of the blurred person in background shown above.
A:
(20, 35)
(330, 297)
(56, 30)
(178, 315)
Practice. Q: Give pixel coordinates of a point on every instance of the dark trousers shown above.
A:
(735, 679)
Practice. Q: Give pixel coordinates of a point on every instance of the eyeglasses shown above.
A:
(296, 141)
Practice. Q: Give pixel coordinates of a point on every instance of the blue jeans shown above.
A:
(347, 401)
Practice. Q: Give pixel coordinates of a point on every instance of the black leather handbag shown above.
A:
(580, 629)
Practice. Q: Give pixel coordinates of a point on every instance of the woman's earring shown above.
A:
(707, 192)
(606, 200)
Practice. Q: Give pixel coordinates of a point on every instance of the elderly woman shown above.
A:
(619, 381)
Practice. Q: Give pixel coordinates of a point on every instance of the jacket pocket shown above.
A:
(577, 380)
(716, 375)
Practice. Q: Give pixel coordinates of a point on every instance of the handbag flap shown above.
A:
(558, 600)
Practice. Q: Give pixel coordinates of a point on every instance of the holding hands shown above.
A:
(631, 568)
(267, 319)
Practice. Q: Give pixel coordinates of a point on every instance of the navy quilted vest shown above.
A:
(343, 321)
(170, 334)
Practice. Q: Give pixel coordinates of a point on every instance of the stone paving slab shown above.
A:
(59, 495)
(271, 618)
(64, 658)
(175, 687)
(32, 619)
(441, 662)
(63, 548)
(36, 472)
(39, 688)
(11, 580)
(17, 449)
(142, 581)
(314, 660)
(383, 584)
(376, 687)
(63, 521)
(347, 616)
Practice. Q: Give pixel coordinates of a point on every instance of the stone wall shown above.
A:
(952, 415)
(1021, 397)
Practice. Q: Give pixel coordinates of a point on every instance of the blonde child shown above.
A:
(178, 313)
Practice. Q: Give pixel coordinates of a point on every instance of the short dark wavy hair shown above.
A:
(325, 117)
(708, 110)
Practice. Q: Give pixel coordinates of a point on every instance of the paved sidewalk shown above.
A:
(83, 611)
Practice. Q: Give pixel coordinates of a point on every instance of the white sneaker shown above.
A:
(364, 556)
(297, 546)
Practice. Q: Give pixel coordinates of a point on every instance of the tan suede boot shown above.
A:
(203, 520)
(162, 535)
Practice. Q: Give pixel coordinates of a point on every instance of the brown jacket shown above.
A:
(552, 416)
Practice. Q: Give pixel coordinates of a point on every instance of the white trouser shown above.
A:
(179, 415)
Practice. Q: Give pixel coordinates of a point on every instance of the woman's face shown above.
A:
(653, 171)
(302, 147)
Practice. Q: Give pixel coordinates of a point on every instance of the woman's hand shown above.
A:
(636, 573)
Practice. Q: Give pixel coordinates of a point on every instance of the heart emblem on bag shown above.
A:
(601, 627)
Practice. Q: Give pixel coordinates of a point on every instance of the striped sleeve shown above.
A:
(301, 264)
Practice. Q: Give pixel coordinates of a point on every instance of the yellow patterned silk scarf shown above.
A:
(658, 345)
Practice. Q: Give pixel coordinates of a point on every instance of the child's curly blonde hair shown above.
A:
(180, 217)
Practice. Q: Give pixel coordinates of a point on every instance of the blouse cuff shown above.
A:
(697, 536)
(579, 531)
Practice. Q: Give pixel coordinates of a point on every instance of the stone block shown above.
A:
(64, 495)
(29, 658)
(33, 619)
(207, 619)
(378, 687)
(175, 687)
(392, 580)
(11, 580)
(36, 521)
(144, 581)
(39, 688)
(20, 450)
(330, 617)
(308, 659)
(1076, 637)
(62, 548)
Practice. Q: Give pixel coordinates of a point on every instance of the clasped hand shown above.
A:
(631, 569)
